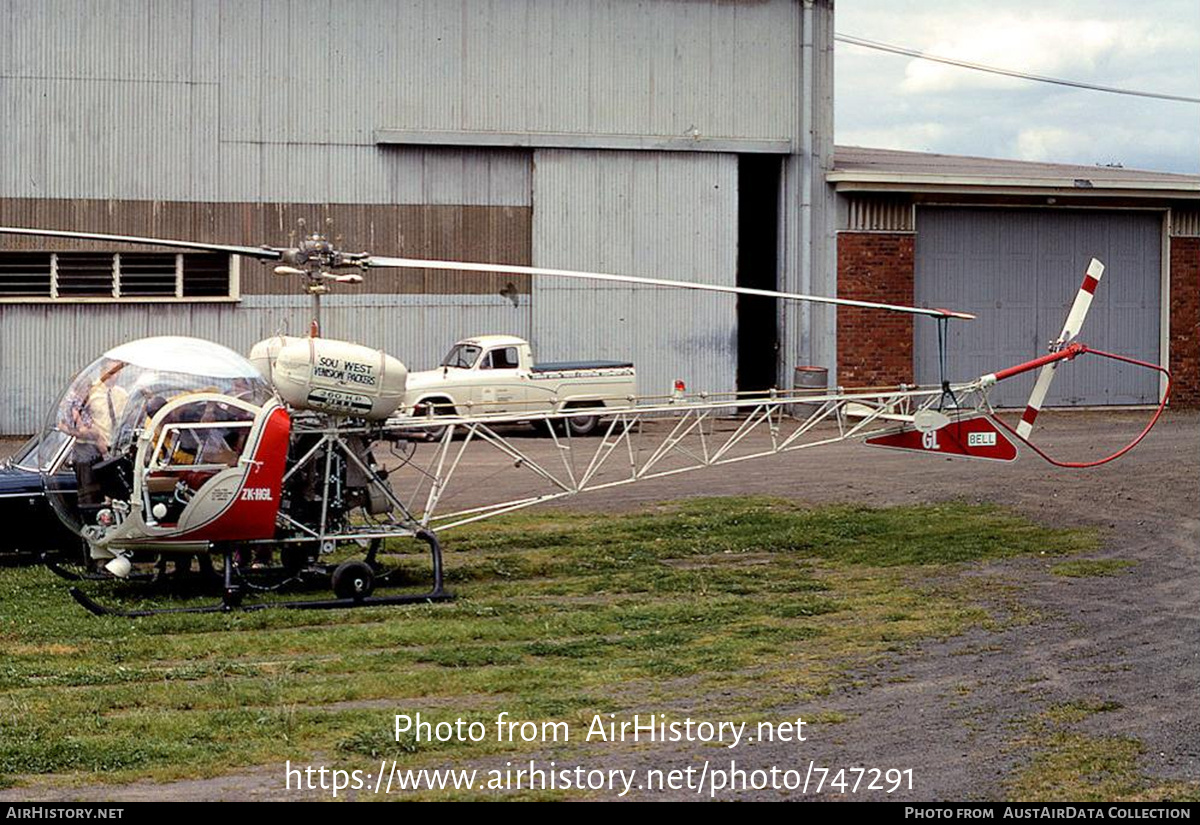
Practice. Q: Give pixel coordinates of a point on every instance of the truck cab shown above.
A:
(488, 373)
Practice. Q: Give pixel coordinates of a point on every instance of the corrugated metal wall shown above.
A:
(427, 230)
(278, 100)
(54, 342)
(1185, 223)
(665, 215)
(1019, 270)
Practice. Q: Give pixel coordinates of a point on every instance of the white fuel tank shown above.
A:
(332, 376)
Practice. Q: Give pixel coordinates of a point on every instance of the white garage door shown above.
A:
(1019, 270)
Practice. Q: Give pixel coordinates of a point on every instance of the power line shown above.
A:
(886, 47)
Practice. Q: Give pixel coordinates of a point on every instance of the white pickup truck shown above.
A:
(493, 374)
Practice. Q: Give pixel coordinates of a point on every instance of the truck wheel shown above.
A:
(582, 425)
(421, 410)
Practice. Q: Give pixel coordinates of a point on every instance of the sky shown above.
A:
(892, 101)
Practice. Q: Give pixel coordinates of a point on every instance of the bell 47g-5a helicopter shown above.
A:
(173, 449)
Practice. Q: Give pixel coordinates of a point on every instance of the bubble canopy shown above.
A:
(177, 354)
(89, 439)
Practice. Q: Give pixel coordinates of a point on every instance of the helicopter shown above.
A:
(173, 448)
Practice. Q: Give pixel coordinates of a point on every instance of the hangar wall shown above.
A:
(453, 202)
(1009, 240)
(414, 127)
(1018, 271)
(274, 100)
(43, 346)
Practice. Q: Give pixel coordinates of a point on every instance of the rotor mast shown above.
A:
(314, 260)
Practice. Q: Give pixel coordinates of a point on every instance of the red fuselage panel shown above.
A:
(252, 511)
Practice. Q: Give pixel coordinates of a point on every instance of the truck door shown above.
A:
(503, 388)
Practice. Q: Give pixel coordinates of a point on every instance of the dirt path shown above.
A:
(952, 709)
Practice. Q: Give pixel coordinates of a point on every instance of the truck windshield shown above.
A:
(462, 356)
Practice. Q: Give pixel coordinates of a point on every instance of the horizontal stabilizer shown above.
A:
(965, 438)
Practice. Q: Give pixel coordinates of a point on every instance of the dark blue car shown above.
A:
(29, 526)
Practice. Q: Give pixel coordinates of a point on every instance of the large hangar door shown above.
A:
(663, 215)
(1019, 270)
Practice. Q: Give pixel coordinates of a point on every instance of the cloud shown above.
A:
(922, 136)
(1125, 144)
(1045, 47)
(1047, 143)
(891, 101)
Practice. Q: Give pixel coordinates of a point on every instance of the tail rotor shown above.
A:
(1079, 311)
(1066, 348)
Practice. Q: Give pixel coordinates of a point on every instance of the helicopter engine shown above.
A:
(320, 378)
(329, 486)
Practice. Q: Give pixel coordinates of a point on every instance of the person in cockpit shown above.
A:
(92, 418)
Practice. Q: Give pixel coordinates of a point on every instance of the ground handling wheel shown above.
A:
(353, 580)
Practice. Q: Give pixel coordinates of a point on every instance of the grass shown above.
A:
(1068, 765)
(560, 616)
(1086, 568)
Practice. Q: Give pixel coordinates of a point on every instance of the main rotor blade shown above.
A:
(413, 263)
(249, 251)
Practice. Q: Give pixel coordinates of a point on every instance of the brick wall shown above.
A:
(1185, 321)
(875, 348)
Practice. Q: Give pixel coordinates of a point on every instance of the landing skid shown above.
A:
(232, 594)
(97, 609)
(70, 575)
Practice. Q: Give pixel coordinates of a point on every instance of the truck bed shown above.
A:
(573, 366)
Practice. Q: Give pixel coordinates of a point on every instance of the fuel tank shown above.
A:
(331, 376)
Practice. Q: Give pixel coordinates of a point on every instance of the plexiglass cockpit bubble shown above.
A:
(89, 442)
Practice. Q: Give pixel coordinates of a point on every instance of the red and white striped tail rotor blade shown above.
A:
(1035, 400)
(1079, 311)
(1083, 302)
